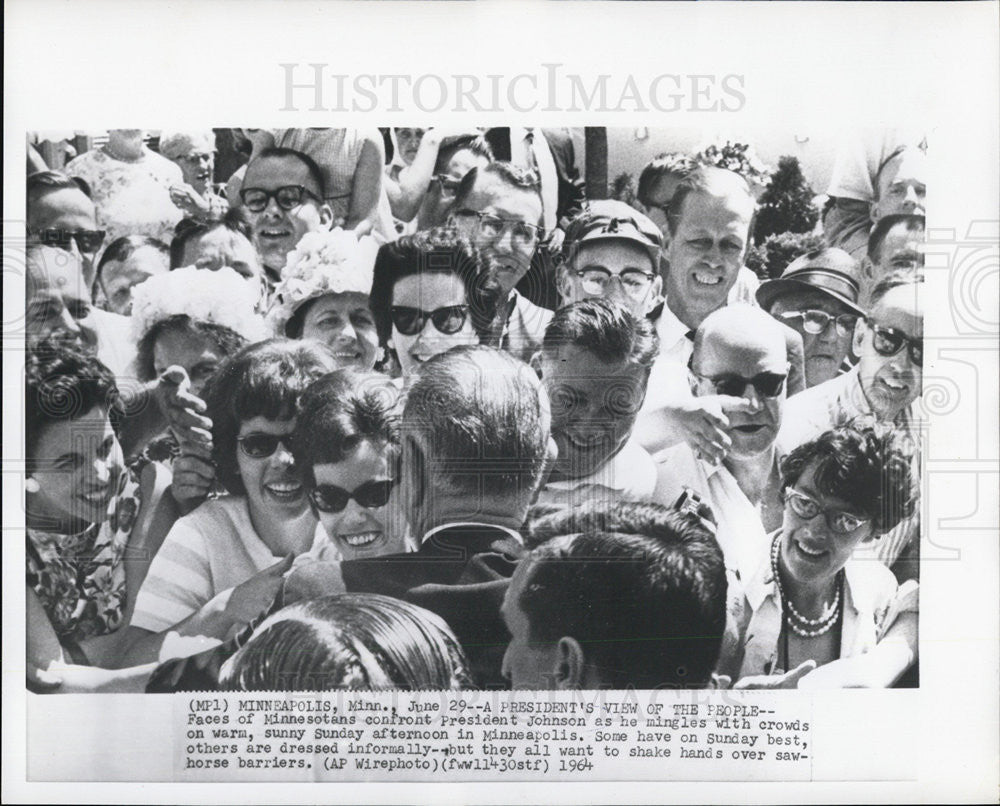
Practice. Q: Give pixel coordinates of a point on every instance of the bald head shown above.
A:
(739, 328)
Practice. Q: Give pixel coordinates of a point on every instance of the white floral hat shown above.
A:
(223, 297)
(331, 262)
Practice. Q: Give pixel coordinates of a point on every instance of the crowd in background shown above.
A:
(424, 408)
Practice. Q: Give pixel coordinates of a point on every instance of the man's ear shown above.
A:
(859, 334)
(326, 216)
(535, 362)
(570, 664)
(414, 468)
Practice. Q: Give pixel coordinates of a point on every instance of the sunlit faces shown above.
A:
(824, 351)
(272, 482)
(198, 354)
(510, 249)
(58, 296)
(345, 324)
(78, 465)
(119, 276)
(811, 552)
(69, 210)
(594, 404)
(902, 248)
(277, 231)
(621, 271)
(706, 253)
(220, 247)
(445, 185)
(408, 142)
(197, 168)
(891, 383)
(527, 664)
(428, 292)
(902, 185)
(360, 531)
(752, 432)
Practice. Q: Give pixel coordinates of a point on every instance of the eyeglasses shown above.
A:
(260, 446)
(596, 279)
(88, 241)
(816, 322)
(888, 341)
(196, 158)
(491, 226)
(807, 508)
(767, 384)
(288, 197)
(410, 321)
(370, 495)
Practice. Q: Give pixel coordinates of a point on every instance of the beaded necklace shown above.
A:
(799, 624)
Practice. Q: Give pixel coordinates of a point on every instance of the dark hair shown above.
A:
(228, 341)
(278, 152)
(641, 587)
(188, 229)
(509, 174)
(64, 381)
(884, 164)
(121, 249)
(867, 466)
(702, 180)
(438, 251)
(42, 182)
(480, 413)
(261, 380)
(450, 146)
(349, 641)
(914, 223)
(661, 166)
(341, 411)
(892, 280)
(606, 329)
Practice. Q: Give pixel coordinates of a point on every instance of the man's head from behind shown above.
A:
(740, 352)
(627, 596)
(61, 214)
(709, 224)
(475, 435)
(595, 362)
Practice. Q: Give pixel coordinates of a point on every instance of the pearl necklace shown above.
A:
(799, 624)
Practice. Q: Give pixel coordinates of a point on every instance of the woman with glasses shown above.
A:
(431, 291)
(818, 600)
(250, 535)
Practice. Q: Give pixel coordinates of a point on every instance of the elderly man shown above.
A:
(499, 208)
(611, 251)
(283, 196)
(817, 295)
(739, 352)
(194, 153)
(61, 214)
(476, 447)
(708, 234)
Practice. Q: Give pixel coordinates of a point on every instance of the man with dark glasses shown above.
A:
(283, 194)
(60, 214)
(883, 386)
(817, 296)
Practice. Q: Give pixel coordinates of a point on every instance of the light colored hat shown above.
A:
(177, 144)
(331, 262)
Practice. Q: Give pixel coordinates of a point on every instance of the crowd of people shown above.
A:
(406, 409)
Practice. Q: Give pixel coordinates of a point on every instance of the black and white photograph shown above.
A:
(518, 430)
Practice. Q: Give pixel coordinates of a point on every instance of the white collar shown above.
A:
(514, 534)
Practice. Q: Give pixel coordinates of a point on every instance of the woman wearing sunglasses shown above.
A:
(249, 535)
(346, 446)
(815, 602)
(432, 291)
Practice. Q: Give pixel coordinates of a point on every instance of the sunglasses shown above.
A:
(287, 198)
(260, 446)
(807, 508)
(410, 321)
(816, 322)
(767, 384)
(87, 240)
(371, 495)
(888, 341)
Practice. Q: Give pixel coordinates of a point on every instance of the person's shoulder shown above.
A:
(224, 510)
(871, 584)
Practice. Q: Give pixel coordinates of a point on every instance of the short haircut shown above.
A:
(450, 146)
(41, 183)
(121, 249)
(438, 251)
(174, 144)
(893, 279)
(663, 165)
(711, 181)
(483, 416)
(277, 152)
(510, 175)
(606, 329)
(641, 587)
(228, 341)
(189, 229)
(914, 223)
(261, 380)
(866, 466)
(340, 412)
(64, 381)
(350, 641)
(885, 164)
